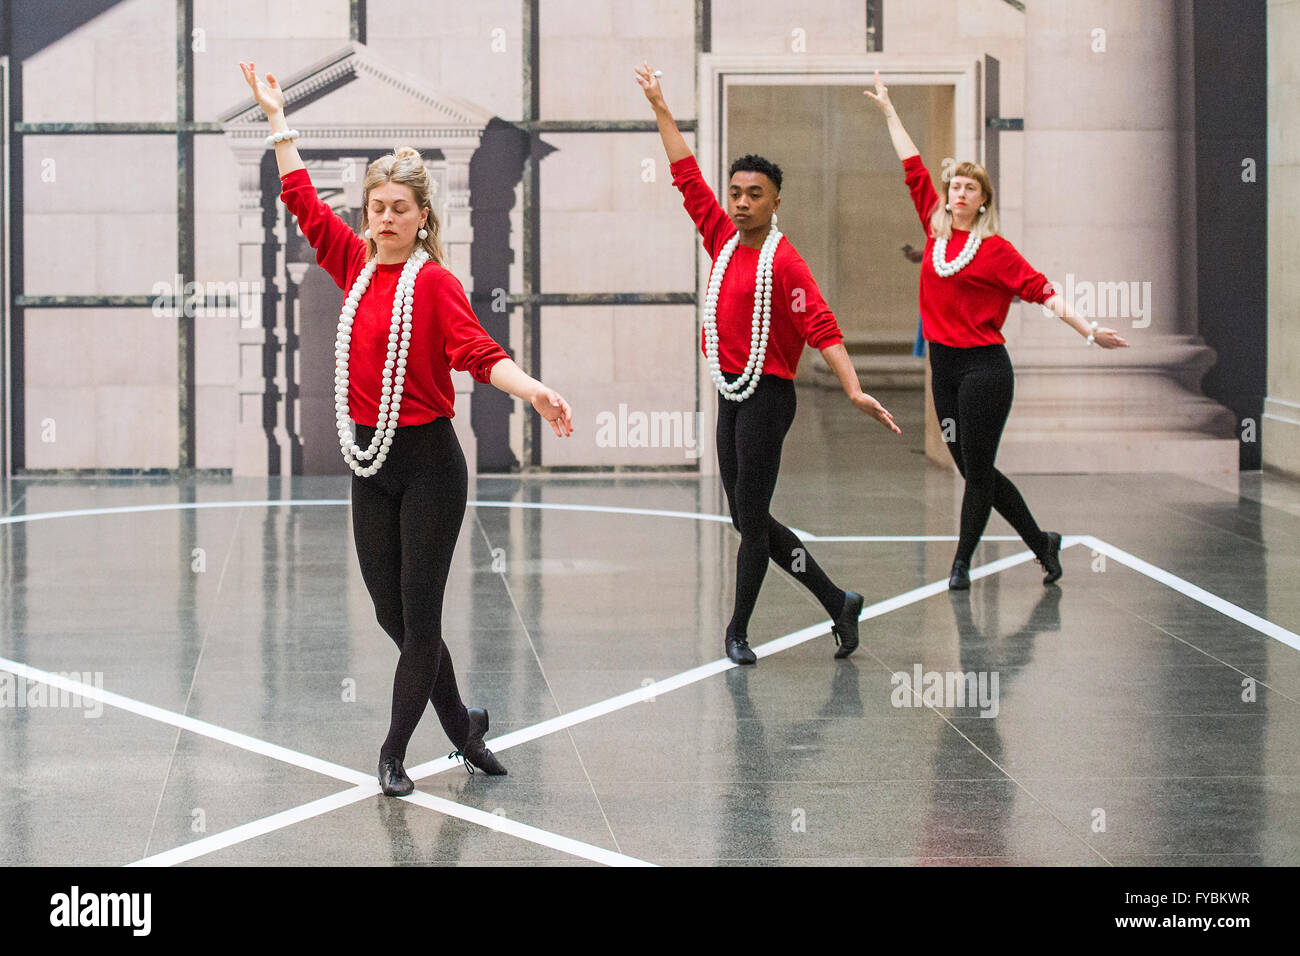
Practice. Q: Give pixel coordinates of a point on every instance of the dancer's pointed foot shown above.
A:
(738, 650)
(1051, 560)
(474, 753)
(393, 779)
(845, 627)
(959, 577)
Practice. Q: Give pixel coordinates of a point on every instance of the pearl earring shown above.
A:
(947, 207)
(423, 233)
(367, 232)
(981, 209)
(774, 219)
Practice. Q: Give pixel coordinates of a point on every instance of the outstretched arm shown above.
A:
(1022, 280)
(513, 380)
(1106, 338)
(270, 97)
(674, 144)
(837, 357)
(903, 144)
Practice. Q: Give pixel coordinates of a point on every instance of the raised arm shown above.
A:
(339, 250)
(674, 144)
(903, 144)
(700, 201)
(270, 97)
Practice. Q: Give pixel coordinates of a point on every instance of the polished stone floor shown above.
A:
(1144, 711)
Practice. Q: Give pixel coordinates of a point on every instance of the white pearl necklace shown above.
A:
(743, 387)
(399, 340)
(947, 269)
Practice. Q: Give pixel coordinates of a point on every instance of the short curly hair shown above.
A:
(749, 163)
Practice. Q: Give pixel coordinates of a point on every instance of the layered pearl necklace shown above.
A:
(948, 269)
(399, 339)
(743, 387)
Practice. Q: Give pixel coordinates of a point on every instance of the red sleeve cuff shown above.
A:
(683, 164)
(482, 372)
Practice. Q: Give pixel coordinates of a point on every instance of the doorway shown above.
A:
(845, 206)
(811, 108)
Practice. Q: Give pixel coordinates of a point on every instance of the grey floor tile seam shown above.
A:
(1003, 770)
(1165, 777)
(1184, 513)
(1270, 492)
(13, 508)
(1009, 860)
(1199, 650)
(185, 709)
(559, 711)
(872, 655)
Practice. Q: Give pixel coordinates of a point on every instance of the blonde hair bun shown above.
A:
(404, 166)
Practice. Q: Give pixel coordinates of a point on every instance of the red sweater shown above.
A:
(445, 333)
(968, 309)
(799, 314)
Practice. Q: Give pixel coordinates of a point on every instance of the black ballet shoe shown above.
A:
(1051, 561)
(393, 779)
(959, 577)
(474, 753)
(845, 627)
(738, 650)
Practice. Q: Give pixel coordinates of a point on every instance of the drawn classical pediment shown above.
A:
(350, 98)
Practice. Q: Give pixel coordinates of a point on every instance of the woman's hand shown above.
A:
(552, 406)
(877, 411)
(1109, 339)
(650, 85)
(880, 97)
(268, 94)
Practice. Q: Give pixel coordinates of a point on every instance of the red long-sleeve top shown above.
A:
(967, 310)
(799, 313)
(445, 333)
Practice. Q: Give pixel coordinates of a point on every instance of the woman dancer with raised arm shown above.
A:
(964, 301)
(405, 323)
(760, 292)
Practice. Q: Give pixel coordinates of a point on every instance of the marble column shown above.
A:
(250, 433)
(291, 410)
(1104, 217)
(457, 236)
(457, 232)
(1281, 425)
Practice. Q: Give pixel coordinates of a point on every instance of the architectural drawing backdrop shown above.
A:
(162, 313)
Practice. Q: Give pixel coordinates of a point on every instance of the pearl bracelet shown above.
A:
(1091, 335)
(281, 137)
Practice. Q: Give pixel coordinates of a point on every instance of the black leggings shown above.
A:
(972, 391)
(406, 519)
(750, 434)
